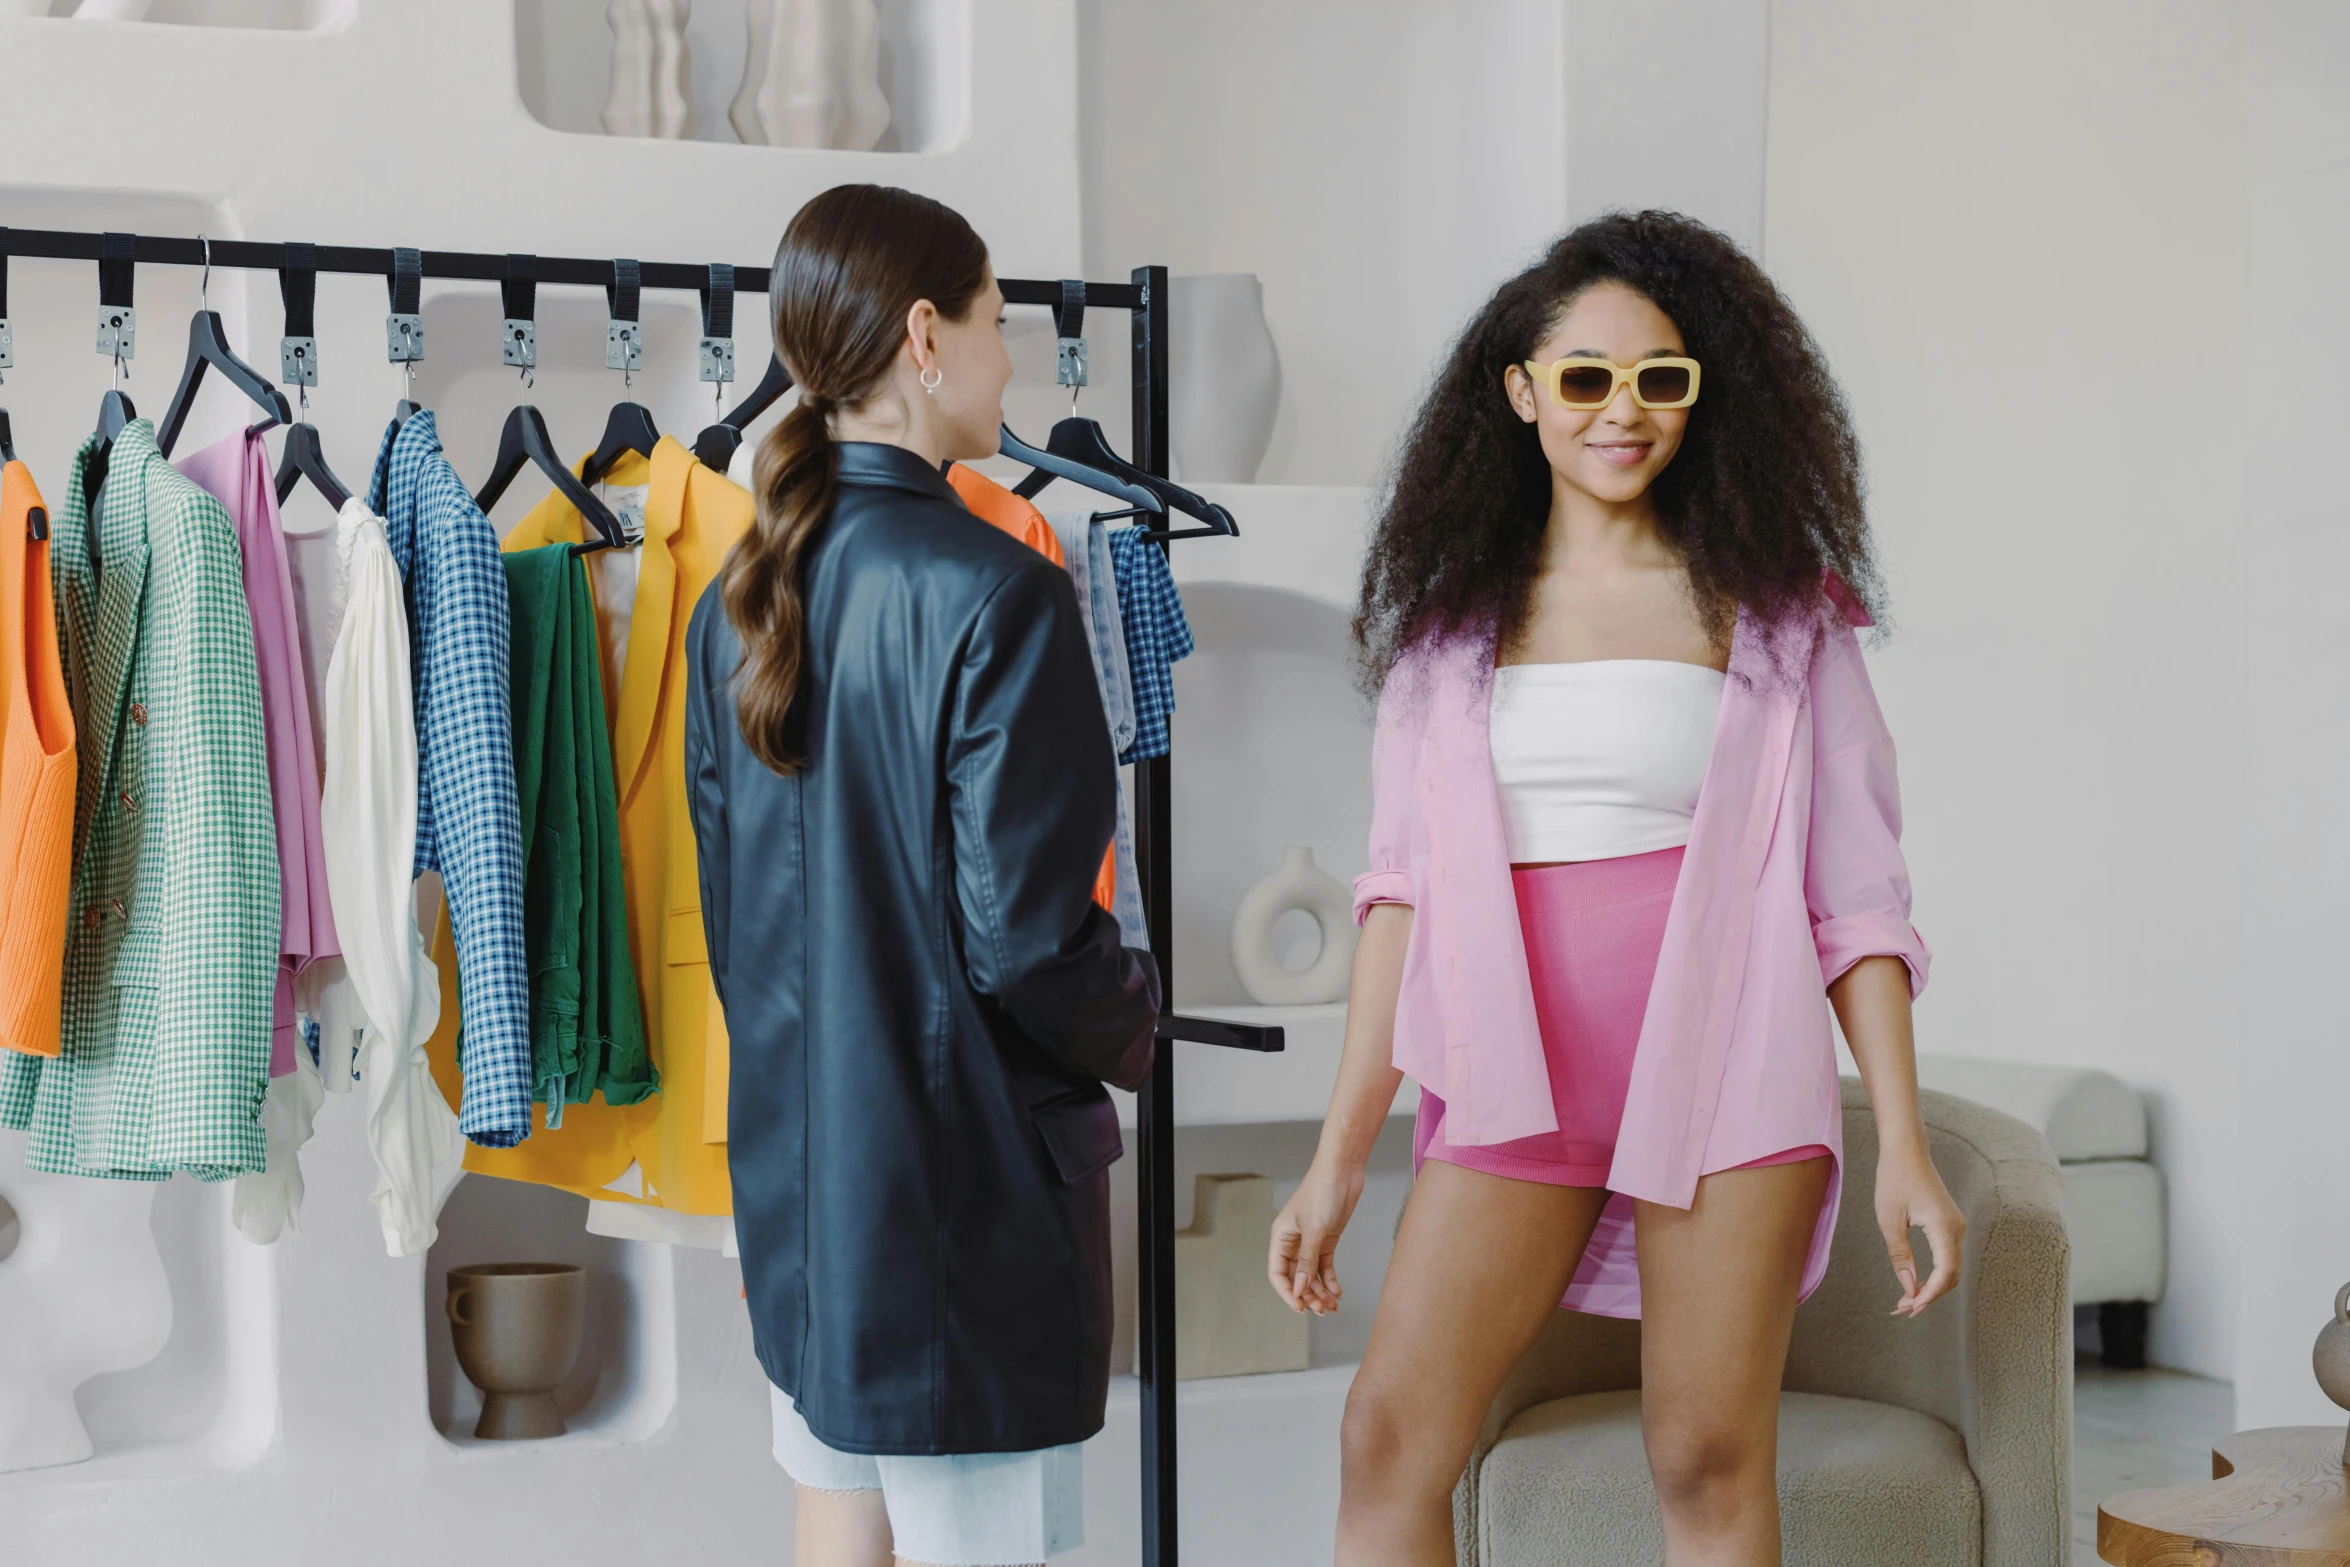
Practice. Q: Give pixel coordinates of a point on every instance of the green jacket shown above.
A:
(587, 1031)
(171, 956)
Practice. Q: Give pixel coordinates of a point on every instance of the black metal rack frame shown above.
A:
(1144, 297)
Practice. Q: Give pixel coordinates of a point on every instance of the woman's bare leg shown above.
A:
(1479, 1266)
(1717, 1300)
(841, 1529)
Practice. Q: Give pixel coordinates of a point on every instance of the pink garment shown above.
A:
(235, 471)
(1593, 931)
(1792, 874)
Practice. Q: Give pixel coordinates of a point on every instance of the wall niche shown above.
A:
(563, 62)
(287, 16)
(624, 1385)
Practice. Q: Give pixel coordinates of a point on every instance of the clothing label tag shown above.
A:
(628, 504)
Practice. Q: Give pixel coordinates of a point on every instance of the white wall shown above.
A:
(2009, 250)
(1380, 165)
(2294, 1250)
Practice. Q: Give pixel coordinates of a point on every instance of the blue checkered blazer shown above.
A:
(468, 817)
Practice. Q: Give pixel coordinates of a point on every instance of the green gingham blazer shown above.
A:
(171, 954)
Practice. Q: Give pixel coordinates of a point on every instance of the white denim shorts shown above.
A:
(951, 1509)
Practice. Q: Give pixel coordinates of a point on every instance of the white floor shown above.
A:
(2134, 1429)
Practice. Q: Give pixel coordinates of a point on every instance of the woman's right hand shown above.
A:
(1303, 1260)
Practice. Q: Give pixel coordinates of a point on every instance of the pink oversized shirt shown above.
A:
(1792, 875)
(235, 471)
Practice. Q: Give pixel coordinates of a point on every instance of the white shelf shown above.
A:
(1215, 1086)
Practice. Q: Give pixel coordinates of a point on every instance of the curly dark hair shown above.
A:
(1762, 497)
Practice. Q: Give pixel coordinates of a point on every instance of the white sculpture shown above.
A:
(651, 92)
(1224, 377)
(811, 75)
(113, 10)
(83, 1292)
(1299, 884)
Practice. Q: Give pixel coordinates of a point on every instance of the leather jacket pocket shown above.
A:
(1080, 1131)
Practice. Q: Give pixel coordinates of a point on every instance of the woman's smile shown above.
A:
(1620, 454)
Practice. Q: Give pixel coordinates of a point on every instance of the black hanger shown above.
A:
(1052, 465)
(629, 428)
(525, 442)
(1081, 442)
(297, 354)
(36, 522)
(114, 412)
(302, 459)
(715, 447)
(208, 349)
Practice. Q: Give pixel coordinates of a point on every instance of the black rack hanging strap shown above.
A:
(7, 332)
(118, 322)
(624, 333)
(297, 285)
(717, 323)
(519, 335)
(1069, 335)
(404, 325)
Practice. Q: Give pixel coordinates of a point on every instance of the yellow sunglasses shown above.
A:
(1591, 383)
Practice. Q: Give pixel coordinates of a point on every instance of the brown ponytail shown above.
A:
(852, 264)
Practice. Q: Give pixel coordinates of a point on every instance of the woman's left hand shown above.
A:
(1910, 1194)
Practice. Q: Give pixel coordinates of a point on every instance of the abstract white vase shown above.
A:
(1299, 884)
(83, 1291)
(652, 66)
(811, 75)
(1224, 377)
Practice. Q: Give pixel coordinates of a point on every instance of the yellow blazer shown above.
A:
(676, 1138)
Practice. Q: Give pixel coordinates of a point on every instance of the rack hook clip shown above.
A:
(118, 323)
(519, 335)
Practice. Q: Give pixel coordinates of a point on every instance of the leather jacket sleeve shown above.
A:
(1033, 795)
(710, 702)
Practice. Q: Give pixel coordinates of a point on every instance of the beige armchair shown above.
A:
(1940, 1442)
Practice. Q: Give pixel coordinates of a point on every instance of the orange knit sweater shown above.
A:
(37, 778)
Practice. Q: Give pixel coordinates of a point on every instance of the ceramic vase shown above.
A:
(1302, 885)
(2331, 1357)
(113, 10)
(811, 75)
(82, 1292)
(516, 1327)
(1224, 377)
(652, 65)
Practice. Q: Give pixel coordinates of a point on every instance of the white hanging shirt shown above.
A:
(389, 994)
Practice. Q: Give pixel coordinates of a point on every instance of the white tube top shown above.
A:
(1603, 758)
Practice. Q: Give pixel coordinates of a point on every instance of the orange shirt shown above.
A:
(37, 780)
(1013, 514)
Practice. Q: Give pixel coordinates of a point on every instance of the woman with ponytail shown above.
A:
(902, 785)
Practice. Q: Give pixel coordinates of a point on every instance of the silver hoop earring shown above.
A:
(931, 380)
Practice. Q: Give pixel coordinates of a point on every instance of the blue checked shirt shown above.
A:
(1156, 636)
(468, 816)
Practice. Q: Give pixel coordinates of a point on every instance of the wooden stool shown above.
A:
(2277, 1498)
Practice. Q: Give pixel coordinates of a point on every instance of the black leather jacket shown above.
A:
(923, 999)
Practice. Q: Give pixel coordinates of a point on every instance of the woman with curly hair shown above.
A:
(1635, 829)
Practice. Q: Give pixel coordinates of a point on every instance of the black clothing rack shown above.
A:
(1144, 297)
